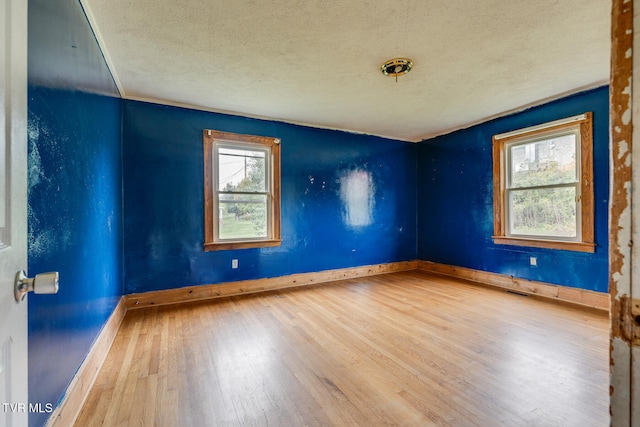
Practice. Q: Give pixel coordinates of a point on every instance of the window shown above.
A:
(242, 191)
(543, 188)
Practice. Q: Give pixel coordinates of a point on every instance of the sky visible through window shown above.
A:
(549, 163)
(234, 165)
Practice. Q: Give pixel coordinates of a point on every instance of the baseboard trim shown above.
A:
(73, 401)
(66, 413)
(204, 292)
(597, 300)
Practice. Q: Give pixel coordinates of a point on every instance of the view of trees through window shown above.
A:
(542, 187)
(243, 193)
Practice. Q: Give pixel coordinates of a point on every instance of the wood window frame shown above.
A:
(211, 243)
(586, 242)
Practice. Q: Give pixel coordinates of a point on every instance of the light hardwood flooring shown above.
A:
(408, 349)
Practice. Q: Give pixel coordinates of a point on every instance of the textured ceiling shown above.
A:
(317, 62)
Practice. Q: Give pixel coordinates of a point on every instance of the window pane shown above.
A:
(549, 212)
(241, 170)
(547, 162)
(242, 216)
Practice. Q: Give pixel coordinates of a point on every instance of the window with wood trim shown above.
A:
(242, 191)
(543, 186)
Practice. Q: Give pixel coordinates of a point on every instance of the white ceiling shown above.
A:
(318, 62)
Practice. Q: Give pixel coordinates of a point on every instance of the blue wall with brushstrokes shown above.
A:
(164, 213)
(455, 200)
(75, 194)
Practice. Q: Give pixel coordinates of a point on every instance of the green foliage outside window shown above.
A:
(245, 215)
(543, 211)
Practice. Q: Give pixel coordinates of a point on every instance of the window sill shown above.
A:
(210, 246)
(548, 244)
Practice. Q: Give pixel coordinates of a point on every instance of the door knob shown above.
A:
(44, 283)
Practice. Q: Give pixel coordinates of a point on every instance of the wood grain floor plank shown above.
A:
(410, 348)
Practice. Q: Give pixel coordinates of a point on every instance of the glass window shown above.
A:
(543, 195)
(242, 195)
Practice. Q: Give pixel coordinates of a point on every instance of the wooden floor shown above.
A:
(408, 349)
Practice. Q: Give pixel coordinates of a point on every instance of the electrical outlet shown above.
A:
(533, 261)
(234, 263)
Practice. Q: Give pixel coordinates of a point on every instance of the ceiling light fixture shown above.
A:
(396, 67)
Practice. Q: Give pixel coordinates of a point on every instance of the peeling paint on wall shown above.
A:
(38, 240)
(53, 236)
(34, 164)
(357, 195)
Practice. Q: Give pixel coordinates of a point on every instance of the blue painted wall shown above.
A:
(163, 200)
(90, 152)
(455, 200)
(75, 194)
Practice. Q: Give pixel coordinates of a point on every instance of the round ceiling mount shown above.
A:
(396, 67)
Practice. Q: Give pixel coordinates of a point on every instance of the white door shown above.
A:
(14, 404)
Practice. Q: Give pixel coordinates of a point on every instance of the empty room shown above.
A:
(296, 213)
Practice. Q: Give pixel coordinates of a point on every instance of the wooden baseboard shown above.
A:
(73, 400)
(203, 292)
(583, 297)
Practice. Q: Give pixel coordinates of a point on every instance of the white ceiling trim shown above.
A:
(258, 117)
(105, 53)
(316, 63)
(316, 126)
(517, 110)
